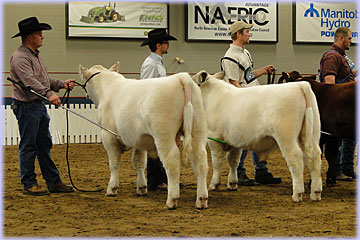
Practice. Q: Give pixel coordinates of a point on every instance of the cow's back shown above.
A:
(337, 108)
(231, 111)
(149, 107)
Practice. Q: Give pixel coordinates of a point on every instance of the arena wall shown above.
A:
(65, 55)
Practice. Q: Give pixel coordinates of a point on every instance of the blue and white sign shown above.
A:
(317, 21)
(212, 20)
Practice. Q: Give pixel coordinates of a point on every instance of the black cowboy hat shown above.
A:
(159, 34)
(30, 25)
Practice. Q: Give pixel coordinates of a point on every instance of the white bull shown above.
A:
(258, 119)
(149, 116)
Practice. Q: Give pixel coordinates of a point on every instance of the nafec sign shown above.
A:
(317, 21)
(210, 21)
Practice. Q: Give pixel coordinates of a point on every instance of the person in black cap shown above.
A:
(27, 67)
(153, 67)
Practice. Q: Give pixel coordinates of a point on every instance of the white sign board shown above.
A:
(115, 19)
(212, 20)
(317, 21)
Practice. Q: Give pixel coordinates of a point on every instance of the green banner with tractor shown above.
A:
(115, 19)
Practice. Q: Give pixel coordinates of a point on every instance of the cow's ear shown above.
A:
(83, 71)
(220, 75)
(115, 67)
(200, 77)
(203, 76)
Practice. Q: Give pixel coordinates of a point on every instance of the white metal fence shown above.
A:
(80, 130)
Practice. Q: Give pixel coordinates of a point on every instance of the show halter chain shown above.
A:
(84, 85)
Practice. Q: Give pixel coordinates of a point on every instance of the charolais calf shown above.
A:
(337, 104)
(149, 116)
(259, 119)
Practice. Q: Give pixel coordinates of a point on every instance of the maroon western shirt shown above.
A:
(27, 67)
(334, 63)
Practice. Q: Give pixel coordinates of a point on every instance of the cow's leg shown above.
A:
(139, 161)
(314, 165)
(200, 167)
(217, 156)
(112, 147)
(294, 157)
(170, 157)
(233, 158)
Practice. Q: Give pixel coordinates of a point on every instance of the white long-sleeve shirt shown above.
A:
(152, 67)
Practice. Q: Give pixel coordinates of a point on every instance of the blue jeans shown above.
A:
(33, 122)
(260, 167)
(345, 159)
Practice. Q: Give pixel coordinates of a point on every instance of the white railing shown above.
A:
(80, 130)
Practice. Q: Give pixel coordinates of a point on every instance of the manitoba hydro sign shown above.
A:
(318, 21)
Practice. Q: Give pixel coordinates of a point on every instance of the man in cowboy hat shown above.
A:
(153, 67)
(27, 67)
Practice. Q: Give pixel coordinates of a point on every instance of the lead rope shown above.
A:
(66, 100)
(273, 76)
(269, 75)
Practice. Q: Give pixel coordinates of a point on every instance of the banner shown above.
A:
(212, 20)
(115, 19)
(317, 21)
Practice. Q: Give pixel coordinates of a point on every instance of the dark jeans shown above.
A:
(260, 167)
(33, 122)
(345, 159)
(156, 173)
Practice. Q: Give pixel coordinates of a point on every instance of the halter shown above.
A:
(283, 79)
(84, 85)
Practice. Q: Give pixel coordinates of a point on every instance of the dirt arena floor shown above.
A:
(257, 211)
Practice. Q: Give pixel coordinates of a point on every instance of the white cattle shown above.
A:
(258, 119)
(149, 116)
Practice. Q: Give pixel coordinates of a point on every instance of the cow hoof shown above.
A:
(173, 204)
(297, 197)
(202, 203)
(316, 196)
(232, 186)
(112, 192)
(141, 191)
(214, 187)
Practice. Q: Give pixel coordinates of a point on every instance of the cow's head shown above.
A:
(86, 73)
(293, 76)
(201, 77)
(289, 77)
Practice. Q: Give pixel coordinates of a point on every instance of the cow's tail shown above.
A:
(309, 124)
(188, 118)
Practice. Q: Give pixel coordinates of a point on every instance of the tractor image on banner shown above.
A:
(103, 14)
